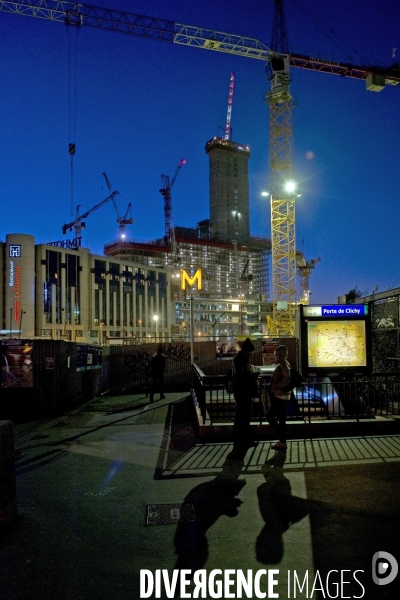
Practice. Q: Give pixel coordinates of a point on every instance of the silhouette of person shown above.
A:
(279, 510)
(245, 379)
(157, 368)
(210, 501)
(276, 415)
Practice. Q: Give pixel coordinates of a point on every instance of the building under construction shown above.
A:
(229, 190)
(235, 280)
(235, 265)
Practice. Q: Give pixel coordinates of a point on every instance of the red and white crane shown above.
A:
(228, 128)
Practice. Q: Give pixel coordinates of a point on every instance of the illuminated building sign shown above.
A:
(336, 310)
(67, 244)
(185, 278)
(12, 271)
(15, 251)
(15, 283)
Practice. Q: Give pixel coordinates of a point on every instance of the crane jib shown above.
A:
(170, 31)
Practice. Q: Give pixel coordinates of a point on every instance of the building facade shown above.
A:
(129, 295)
(60, 293)
(235, 281)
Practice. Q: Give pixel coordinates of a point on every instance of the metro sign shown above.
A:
(185, 278)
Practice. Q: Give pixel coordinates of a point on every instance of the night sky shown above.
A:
(136, 107)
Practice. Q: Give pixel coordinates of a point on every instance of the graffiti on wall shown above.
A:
(137, 362)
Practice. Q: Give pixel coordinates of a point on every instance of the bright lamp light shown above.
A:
(290, 186)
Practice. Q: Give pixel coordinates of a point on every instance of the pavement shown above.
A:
(117, 494)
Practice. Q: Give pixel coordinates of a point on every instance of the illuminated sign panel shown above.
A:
(67, 244)
(338, 310)
(336, 344)
(15, 283)
(15, 251)
(335, 339)
(185, 278)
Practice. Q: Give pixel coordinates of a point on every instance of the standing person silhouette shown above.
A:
(157, 368)
(276, 415)
(245, 389)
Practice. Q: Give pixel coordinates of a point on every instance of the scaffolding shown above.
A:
(221, 263)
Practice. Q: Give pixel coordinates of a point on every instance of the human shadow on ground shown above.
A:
(279, 509)
(210, 501)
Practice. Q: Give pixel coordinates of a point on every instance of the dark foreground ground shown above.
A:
(88, 483)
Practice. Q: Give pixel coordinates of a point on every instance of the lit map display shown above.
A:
(336, 344)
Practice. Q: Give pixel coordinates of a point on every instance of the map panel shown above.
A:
(336, 344)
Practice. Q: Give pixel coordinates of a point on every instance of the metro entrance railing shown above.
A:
(359, 397)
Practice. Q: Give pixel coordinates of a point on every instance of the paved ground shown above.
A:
(88, 482)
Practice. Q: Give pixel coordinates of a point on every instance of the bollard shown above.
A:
(8, 495)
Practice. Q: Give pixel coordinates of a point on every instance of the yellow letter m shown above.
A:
(190, 280)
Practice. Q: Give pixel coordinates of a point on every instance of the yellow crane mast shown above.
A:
(283, 221)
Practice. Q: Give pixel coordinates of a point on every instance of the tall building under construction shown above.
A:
(229, 191)
(235, 264)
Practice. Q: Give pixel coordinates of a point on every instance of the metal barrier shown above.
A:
(362, 397)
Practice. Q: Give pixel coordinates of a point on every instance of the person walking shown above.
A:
(276, 415)
(157, 368)
(245, 379)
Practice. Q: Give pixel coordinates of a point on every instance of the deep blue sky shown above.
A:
(143, 105)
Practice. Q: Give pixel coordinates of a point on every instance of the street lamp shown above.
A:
(155, 318)
(101, 333)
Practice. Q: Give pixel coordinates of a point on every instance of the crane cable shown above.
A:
(72, 71)
(343, 44)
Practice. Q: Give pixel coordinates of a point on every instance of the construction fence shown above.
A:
(46, 377)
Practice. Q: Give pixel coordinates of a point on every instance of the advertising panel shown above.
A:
(227, 350)
(335, 338)
(16, 364)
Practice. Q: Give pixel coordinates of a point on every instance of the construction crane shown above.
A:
(122, 221)
(165, 191)
(305, 267)
(243, 279)
(278, 62)
(228, 128)
(283, 230)
(153, 28)
(78, 224)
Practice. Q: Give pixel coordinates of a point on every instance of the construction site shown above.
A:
(234, 298)
(251, 284)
